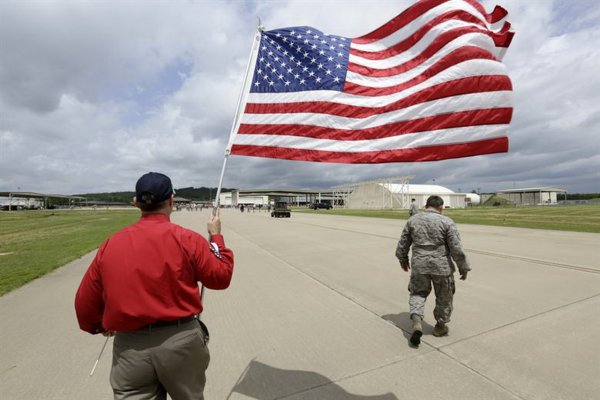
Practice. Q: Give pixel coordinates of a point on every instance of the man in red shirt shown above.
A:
(142, 287)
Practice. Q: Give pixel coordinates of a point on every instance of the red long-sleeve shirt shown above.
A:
(148, 272)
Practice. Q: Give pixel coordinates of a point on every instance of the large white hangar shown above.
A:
(396, 193)
(234, 198)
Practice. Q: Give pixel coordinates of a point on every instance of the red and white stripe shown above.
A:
(428, 85)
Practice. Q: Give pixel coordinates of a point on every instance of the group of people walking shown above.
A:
(142, 288)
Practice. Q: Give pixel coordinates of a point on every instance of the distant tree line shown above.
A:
(581, 196)
(112, 197)
(199, 194)
(191, 193)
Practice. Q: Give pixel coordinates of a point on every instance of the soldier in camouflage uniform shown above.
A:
(435, 243)
(414, 209)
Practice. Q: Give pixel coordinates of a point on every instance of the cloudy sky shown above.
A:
(95, 93)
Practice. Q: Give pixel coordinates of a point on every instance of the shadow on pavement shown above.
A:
(403, 322)
(264, 382)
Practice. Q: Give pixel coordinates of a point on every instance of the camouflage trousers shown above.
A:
(419, 288)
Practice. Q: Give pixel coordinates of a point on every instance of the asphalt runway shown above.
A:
(318, 310)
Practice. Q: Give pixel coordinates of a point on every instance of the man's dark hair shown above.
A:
(412, 199)
(434, 202)
(151, 207)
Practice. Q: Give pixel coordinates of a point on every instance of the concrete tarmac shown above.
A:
(318, 309)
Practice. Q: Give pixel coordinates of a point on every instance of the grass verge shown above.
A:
(33, 243)
(577, 218)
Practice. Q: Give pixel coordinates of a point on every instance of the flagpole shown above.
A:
(241, 100)
(99, 355)
(236, 121)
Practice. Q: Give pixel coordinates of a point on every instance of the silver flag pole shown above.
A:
(236, 122)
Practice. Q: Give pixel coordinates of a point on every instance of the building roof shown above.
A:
(534, 189)
(281, 192)
(417, 189)
(42, 195)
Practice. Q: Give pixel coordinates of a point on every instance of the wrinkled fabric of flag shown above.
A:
(427, 85)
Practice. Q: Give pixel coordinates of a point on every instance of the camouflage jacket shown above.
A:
(414, 209)
(435, 243)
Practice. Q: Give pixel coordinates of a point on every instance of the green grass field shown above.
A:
(33, 243)
(578, 218)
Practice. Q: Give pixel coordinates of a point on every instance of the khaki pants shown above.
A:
(419, 287)
(149, 363)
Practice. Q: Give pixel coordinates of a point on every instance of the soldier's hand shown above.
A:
(405, 266)
(214, 224)
(463, 276)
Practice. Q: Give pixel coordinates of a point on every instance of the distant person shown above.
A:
(435, 244)
(142, 286)
(414, 208)
(242, 208)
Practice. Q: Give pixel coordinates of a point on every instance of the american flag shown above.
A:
(427, 85)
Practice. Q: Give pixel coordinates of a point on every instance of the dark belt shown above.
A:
(160, 324)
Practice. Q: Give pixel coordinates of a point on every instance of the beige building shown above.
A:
(532, 196)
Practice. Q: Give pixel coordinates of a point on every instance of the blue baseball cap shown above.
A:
(153, 188)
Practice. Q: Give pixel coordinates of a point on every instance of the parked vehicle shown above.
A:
(323, 205)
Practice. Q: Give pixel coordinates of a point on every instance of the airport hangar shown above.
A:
(532, 196)
(385, 193)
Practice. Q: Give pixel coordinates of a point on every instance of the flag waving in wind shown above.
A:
(427, 85)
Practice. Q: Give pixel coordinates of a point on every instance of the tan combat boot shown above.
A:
(417, 330)
(440, 329)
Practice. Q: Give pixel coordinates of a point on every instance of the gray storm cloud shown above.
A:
(93, 94)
